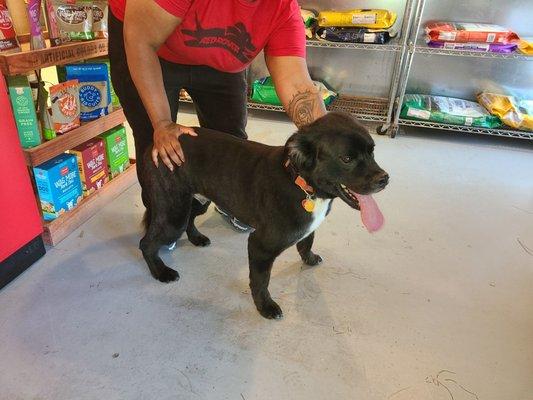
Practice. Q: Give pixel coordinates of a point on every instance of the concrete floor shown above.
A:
(437, 305)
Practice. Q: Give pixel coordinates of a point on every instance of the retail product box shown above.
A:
(116, 148)
(92, 165)
(58, 184)
(24, 111)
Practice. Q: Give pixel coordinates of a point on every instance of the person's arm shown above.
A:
(146, 28)
(295, 89)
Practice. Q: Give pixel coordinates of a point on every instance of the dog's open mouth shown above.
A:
(370, 213)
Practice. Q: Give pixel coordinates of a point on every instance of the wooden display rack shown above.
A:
(26, 61)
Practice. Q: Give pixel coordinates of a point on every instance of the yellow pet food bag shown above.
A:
(374, 19)
(513, 112)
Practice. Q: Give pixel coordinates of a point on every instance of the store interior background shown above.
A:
(441, 297)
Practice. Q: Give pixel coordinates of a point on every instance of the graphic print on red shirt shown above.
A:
(228, 34)
(235, 39)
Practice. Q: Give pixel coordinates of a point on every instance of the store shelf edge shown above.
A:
(55, 231)
(25, 61)
(47, 150)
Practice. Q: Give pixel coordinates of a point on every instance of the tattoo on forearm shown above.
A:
(302, 108)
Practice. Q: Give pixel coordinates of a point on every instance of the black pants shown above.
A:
(219, 97)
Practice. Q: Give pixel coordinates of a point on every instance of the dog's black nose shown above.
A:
(383, 179)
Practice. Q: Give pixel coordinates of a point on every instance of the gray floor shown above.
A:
(437, 305)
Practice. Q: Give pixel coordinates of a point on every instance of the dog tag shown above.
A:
(308, 205)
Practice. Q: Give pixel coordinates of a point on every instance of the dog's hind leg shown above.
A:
(261, 261)
(304, 248)
(195, 237)
(163, 226)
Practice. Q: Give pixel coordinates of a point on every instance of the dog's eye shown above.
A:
(346, 159)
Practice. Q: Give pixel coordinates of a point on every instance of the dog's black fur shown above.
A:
(250, 180)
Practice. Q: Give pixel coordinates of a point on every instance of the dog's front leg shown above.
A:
(261, 261)
(304, 248)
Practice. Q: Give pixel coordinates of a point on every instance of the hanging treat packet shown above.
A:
(69, 20)
(65, 106)
(36, 35)
(8, 37)
(100, 12)
(94, 88)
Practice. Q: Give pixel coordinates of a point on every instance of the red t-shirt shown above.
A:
(228, 34)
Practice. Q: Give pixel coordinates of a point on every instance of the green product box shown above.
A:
(116, 147)
(24, 111)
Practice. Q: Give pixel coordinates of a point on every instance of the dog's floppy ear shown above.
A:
(301, 151)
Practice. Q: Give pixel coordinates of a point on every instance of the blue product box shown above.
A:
(94, 88)
(59, 185)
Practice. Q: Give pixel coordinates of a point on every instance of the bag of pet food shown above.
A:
(525, 45)
(309, 19)
(516, 113)
(65, 101)
(375, 19)
(472, 46)
(464, 32)
(8, 37)
(36, 34)
(69, 20)
(94, 88)
(447, 110)
(100, 12)
(263, 91)
(353, 35)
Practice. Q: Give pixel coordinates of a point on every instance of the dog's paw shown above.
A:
(271, 310)
(312, 260)
(167, 275)
(200, 240)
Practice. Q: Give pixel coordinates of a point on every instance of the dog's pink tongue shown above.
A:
(370, 213)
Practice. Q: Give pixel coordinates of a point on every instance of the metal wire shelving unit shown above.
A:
(416, 45)
(512, 133)
(370, 109)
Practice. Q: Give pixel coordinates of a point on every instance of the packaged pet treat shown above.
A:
(43, 113)
(309, 19)
(116, 149)
(58, 185)
(472, 46)
(8, 37)
(36, 34)
(100, 11)
(464, 32)
(95, 93)
(65, 101)
(447, 110)
(353, 35)
(69, 20)
(263, 91)
(375, 19)
(21, 98)
(92, 165)
(516, 113)
(525, 45)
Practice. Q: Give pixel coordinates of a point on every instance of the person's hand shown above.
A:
(166, 143)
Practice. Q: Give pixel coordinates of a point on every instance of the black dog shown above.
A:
(283, 192)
